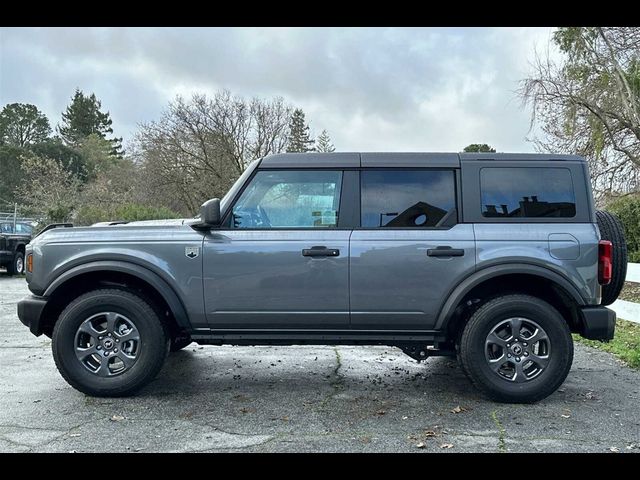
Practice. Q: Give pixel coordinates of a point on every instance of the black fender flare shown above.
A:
(487, 273)
(144, 274)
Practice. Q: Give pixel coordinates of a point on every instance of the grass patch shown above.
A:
(501, 430)
(625, 344)
(338, 379)
(630, 292)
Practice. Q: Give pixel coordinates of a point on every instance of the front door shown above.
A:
(410, 251)
(281, 261)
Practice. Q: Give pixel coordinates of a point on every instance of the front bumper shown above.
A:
(598, 323)
(30, 310)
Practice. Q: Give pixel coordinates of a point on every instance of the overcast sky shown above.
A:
(401, 89)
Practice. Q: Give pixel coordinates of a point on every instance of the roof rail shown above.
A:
(51, 226)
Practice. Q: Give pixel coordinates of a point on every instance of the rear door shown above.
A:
(410, 251)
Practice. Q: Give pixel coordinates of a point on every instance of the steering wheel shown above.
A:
(253, 217)
(264, 218)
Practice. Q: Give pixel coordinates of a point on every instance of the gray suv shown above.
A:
(493, 258)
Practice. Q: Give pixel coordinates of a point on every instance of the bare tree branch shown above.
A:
(199, 147)
(588, 103)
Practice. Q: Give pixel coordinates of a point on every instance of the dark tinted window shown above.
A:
(406, 198)
(527, 192)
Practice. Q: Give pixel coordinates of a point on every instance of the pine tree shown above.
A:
(479, 148)
(83, 118)
(323, 143)
(299, 140)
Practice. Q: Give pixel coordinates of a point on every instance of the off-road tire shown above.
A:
(154, 342)
(472, 349)
(12, 268)
(611, 229)
(458, 355)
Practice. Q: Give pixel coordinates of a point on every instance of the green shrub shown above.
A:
(628, 210)
(129, 212)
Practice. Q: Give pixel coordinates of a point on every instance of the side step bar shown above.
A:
(417, 344)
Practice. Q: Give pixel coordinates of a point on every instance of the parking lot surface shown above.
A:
(301, 399)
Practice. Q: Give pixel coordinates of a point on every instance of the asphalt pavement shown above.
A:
(304, 399)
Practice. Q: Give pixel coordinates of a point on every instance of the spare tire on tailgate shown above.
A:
(611, 229)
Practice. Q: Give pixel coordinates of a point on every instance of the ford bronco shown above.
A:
(492, 258)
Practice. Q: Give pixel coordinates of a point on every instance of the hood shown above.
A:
(143, 230)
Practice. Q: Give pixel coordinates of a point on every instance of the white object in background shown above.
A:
(633, 272)
(626, 310)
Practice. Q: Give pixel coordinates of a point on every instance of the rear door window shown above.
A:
(407, 198)
(23, 229)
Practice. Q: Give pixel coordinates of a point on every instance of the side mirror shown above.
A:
(210, 213)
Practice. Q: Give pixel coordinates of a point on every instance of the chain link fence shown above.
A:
(11, 214)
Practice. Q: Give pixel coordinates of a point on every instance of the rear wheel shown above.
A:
(458, 353)
(109, 343)
(517, 349)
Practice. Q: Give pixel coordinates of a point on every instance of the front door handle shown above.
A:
(320, 251)
(445, 251)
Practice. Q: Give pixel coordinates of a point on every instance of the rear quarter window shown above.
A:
(527, 192)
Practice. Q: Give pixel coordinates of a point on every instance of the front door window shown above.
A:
(289, 199)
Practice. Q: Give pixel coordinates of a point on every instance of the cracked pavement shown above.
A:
(304, 398)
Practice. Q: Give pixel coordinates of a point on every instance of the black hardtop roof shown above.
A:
(399, 159)
(520, 156)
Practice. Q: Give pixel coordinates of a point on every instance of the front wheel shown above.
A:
(16, 267)
(517, 349)
(109, 343)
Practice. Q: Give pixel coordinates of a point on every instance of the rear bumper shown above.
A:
(30, 312)
(598, 323)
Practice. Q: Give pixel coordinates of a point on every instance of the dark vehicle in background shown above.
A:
(14, 237)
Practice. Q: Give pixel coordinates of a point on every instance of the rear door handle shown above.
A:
(445, 251)
(320, 251)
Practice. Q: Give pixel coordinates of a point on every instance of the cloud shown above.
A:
(429, 89)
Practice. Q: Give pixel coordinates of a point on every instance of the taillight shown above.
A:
(605, 268)
(30, 263)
